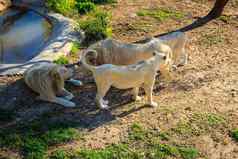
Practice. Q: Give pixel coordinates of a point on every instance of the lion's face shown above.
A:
(65, 73)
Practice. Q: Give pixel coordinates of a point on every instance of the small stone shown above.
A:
(188, 108)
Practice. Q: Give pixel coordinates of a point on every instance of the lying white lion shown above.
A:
(48, 79)
(123, 77)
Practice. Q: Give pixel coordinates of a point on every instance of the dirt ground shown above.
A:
(207, 84)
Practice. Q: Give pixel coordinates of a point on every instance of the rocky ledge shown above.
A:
(60, 43)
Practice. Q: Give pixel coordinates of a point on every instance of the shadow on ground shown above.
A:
(18, 105)
(19, 109)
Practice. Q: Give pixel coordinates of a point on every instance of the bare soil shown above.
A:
(207, 84)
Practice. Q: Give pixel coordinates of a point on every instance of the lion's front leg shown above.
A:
(63, 101)
(58, 100)
(65, 94)
(149, 93)
(102, 87)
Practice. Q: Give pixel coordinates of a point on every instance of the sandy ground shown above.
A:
(208, 84)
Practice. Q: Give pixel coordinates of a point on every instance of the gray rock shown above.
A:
(60, 43)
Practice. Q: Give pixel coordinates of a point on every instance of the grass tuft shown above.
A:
(85, 7)
(75, 48)
(60, 135)
(188, 153)
(199, 123)
(161, 14)
(104, 1)
(64, 7)
(62, 60)
(212, 39)
(59, 154)
(234, 134)
(164, 136)
(225, 18)
(13, 141)
(137, 132)
(120, 151)
(162, 151)
(34, 148)
(70, 7)
(96, 26)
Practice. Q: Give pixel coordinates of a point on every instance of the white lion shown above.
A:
(123, 77)
(110, 51)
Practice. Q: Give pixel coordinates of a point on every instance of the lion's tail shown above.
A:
(85, 60)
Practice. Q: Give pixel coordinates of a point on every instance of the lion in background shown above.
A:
(110, 51)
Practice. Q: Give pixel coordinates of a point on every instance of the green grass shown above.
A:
(34, 148)
(234, 134)
(62, 60)
(60, 135)
(75, 48)
(124, 151)
(13, 141)
(188, 153)
(142, 144)
(137, 132)
(214, 119)
(199, 123)
(120, 151)
(70, 7)
(212, 39)
(206, 120)
(59, 154)
(96, 26)
(104, 1)
(160, 14)
(200, 1)
(96, 23)
(65, 7)
(33, 139)
(225, 18)
(85, 7)
(185, 128)
(163, 151)
(164, 136)
(153, 145)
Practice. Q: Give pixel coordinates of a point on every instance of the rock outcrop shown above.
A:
(4, 4)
